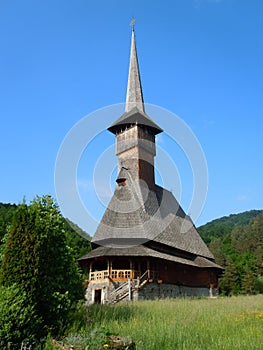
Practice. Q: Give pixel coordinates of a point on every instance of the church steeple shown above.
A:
(134, 107)
(135, 131)
(134, 96)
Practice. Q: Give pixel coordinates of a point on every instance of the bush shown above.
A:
(18, 321)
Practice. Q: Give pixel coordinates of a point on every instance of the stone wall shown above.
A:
(163, 291)
(90, 292)
(106, 288)
(150, 291)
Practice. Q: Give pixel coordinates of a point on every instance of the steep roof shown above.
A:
(136, 215)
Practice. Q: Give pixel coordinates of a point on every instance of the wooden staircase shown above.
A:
(125, 290)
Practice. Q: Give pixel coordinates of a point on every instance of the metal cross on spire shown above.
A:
(132, 23)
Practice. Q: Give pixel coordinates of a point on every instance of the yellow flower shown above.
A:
(106, 345)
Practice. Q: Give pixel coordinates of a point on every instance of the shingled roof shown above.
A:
(134, 117)
(141, 250)
(136, 215)
(134, 95)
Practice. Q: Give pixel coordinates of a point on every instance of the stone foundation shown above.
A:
(163, 291)
(149, 291)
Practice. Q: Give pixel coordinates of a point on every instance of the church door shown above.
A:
(97, 296)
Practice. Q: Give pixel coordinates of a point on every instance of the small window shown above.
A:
(121, 181)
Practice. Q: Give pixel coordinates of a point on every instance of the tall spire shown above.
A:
(134, 96)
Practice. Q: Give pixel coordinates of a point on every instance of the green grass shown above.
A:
(190, 324)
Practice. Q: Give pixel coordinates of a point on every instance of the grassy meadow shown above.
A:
(190, 324)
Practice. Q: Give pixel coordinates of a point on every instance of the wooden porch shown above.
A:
(120, 269)
(120, 275)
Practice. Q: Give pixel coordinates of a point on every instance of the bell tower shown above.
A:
(135, 131)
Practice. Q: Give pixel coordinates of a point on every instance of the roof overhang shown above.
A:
(142, 251)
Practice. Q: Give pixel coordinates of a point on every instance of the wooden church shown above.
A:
(145, 246)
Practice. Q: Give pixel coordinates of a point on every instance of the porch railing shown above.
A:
(99, 275)
(115, 275)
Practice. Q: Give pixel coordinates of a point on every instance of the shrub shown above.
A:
(18, 320)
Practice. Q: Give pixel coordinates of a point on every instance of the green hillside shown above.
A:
(237, 244)
(223, 226)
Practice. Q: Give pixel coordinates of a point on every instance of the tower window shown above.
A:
(121, 181)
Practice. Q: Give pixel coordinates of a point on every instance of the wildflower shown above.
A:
(106, 345)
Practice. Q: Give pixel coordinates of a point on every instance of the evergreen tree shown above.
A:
(248, 282)
(6, 214)
(216, 247)
(18, 320)
(229, 283)
(39, 261)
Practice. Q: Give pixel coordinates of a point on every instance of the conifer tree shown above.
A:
(38, 260)
(229, 283)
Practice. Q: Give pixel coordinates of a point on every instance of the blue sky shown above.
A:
(200, 59)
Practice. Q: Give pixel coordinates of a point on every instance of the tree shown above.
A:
(18, 320)
(259, 284)
(248, 281)
(6, 213)
(237, 244)
(216, 246)
(229, 283)
(38, 259)
(77, 239)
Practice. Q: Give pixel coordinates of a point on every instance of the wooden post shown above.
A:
(90, 269)
(132, 269)
(148, 269)
(138, 282)
(211, 290)
(108, 266)
(129, 288)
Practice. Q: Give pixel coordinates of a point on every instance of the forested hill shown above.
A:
(219, 228)
(77, 239)
(237, 244)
